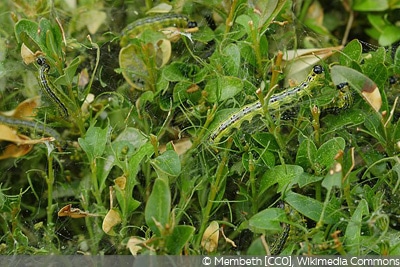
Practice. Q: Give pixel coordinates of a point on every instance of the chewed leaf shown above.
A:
(360, 82)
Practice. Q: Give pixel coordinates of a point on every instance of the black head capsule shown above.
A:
(318, 69)
(192, 24)
(341, 86)
(392, 80)
(41, 61)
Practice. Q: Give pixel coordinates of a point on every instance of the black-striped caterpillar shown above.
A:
(285, 97)
(156, 23)
(16, 122)
(46, 86)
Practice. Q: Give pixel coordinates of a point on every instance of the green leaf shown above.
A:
(312, 208)
(350, 118)
(126, 202)
(179, 238)
(53, 38)
(256, 248)
(266, 156)
(374, 58)
(168, 163)
(178, 72)
(267, 220)
(284, 175)
(306, 179)
(243, 20)
(158, 206)
(390, 35)
(270, 9)
(231, 58)
(181, 93)
(173, 72)
(353, 229)
(370, 5)
(222, 88)
(125, 148)
(128, 142)
(94, 142)
(397, 61)
(306, 153)
(326, 153)
(26, 32)
(377, 21)
(145, 150)
(132, 66)
(267, 140)
(352, 52)
(69, 73)
(333, 178)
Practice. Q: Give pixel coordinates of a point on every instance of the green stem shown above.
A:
(50, 207)
(256, 46)
(89, 224)
(253, 184)
(315, 112)
(230, 18)
(95, 185)
(214, 190)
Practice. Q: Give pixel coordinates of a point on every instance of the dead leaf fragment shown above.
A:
(27, 55)
(74, 213)
(209, 241)
(133, 245)
(18, 146)
(228, 240)
(25, 110)
(112, 219)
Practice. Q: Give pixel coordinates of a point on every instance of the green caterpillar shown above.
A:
(285, 97)
(343, 100)
(155, 23)
(47, 87)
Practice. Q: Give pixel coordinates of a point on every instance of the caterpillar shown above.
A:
(285, 97)
(343, 100)
(11, 121)
(155, 23)
(46, 86)
(280, 242)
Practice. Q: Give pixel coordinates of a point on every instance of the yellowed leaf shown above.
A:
(27, 55)
(15, 151)
(17, 147)
(160, 8)
(25, 110)
(83, 78)
(180, 146)
(133, 244)
(112, 219)
(163, 52)
(373, 97)
(210, 238)
(93, 19)
(11, 135)
(316, 13)
(120, 182)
